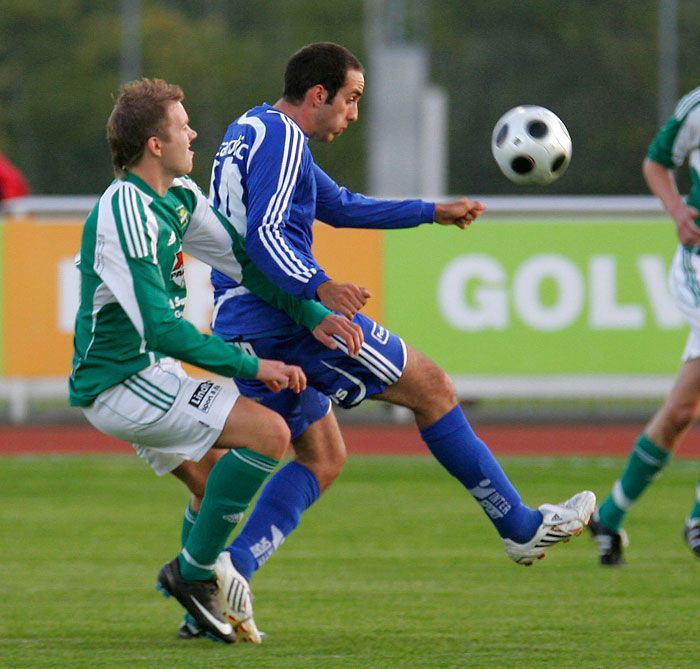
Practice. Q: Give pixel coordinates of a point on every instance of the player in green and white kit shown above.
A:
(130, 337)
(676, 142)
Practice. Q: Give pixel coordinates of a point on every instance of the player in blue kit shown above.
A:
(266, 183)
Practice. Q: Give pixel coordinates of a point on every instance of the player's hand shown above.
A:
(458, 212)
(346, 298)
(343, 328)
(688, 232)
(277, 375)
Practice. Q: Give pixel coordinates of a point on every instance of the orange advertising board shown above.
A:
(38, 254)
(40, 287)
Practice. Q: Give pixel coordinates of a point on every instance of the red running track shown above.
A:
(584, 440)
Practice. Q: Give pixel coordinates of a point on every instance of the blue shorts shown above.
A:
(332, 375)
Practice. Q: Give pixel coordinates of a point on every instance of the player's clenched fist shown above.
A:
(346, 298)
(685, 217)
(277, 375)
(458, 212)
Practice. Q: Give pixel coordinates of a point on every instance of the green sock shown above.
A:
(187, 523)
(695, 511)
(232, 483)
(645, 463)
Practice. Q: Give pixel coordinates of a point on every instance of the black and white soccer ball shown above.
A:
(531, 145)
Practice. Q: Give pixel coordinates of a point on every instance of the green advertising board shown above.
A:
(525, 295)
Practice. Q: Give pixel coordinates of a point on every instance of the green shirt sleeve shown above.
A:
(661, 149)
(174, 336)
(307, 313)
(213, 240)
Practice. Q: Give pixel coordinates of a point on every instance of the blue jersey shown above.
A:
(266, 183)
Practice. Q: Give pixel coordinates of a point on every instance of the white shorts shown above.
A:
(684, 279)
(168, 416)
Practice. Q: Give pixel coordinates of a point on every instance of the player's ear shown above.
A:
(317, 95)
(153, 146)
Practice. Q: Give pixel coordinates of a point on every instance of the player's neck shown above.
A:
(153, 175)
(297, 113)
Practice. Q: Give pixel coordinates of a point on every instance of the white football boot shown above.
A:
(560, 522)
(236, 600)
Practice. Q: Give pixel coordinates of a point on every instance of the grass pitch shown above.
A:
(396, 566)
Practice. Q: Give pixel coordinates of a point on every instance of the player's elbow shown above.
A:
(164, 339)
(651, 170)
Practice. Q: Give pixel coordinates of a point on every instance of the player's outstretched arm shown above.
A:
(458, 212)
(347, 298)
(341, 327)
(277, 375)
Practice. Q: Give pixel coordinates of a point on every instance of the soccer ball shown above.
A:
(531, 145)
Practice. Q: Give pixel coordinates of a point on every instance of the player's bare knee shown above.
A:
(325, 463)
(335, 463)
(279, 438)
(424, 388)
(681, 416)
(328, 471)
(273, 439)
(437, 388)
(447, 389)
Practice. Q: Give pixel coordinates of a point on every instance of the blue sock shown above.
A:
(288, 493)
(457, 448)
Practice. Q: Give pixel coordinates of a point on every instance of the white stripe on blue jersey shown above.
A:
(269, 230)
(260, 132)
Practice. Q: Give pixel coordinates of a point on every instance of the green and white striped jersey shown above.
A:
(133, 286)
(680, 139)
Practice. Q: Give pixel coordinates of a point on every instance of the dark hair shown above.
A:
(140, 112)
(322, 63)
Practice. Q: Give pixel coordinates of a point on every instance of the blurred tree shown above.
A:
(59, 71)
(54, 91)
(593, 62)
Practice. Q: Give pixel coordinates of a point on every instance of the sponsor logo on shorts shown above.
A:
(205, 395)
(380, 333)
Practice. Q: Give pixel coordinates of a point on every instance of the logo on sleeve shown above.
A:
(204, 396)
(183, 215)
